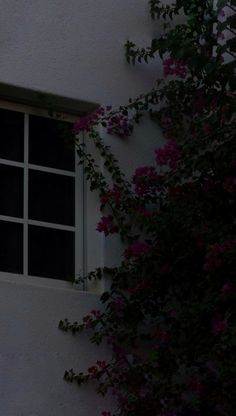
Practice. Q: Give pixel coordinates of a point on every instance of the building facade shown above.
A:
(66, 58)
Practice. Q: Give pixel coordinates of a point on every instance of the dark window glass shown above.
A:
(51, 197)
(11, 135)
(51, 143)
(11, 247)
(51, 253)
(11, 191)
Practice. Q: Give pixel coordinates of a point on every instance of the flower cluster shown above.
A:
(230, 185)
(113, 195)
(118, 124)
(137, 248)
(87, 122)
(169, 314)
(169, 155)
(96, 313)
(218, 325)
(227, 288)
(173, 67)
(145, 180)
(93, 372)
(88, 321)
(214, 256)
(106, 225)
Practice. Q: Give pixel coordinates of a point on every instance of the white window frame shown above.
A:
(79, 227)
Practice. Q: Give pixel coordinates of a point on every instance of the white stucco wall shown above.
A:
(73, 48)
(34, 354)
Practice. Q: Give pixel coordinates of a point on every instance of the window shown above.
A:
(39, 202)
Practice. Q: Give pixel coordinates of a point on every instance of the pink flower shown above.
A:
(119, 125)
(230, 185)
(227, 288)
(86, 123)
(106, 225)
(88, 321)
(113, 195)
(148, 171)
(214, 256)
(166, 122)
(104, 198)
(145, 180)
(94, 373)
(96, 313)
(137, 249)
(102, 364)
(173, 67)
(218, 326)
(168, 155)
(217, 248)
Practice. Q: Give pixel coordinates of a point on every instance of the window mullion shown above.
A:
(26, 192)
(80, 221)
(77, 225)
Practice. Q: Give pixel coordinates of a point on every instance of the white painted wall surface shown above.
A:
(73, 48)
(34, 353)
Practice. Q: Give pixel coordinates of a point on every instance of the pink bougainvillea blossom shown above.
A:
(229, 185)
(113, 195)
(145, 180)
(96, 313)
(102, 364)
(85, 123)
(227, 288)
(93, 372)
(88, 321)
(119, 125)
(172, 66)
(214, 256)
(218, 325)
(106, 225)
(169, 155)
(137, 248)
(217, 248)
(115, 123)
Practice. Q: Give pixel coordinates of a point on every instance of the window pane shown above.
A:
(51, 253)
(11, 135)
(11, 247)
(11, 191)
(51, 197)
(51, 143)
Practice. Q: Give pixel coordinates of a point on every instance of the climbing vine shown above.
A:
(169, 316)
